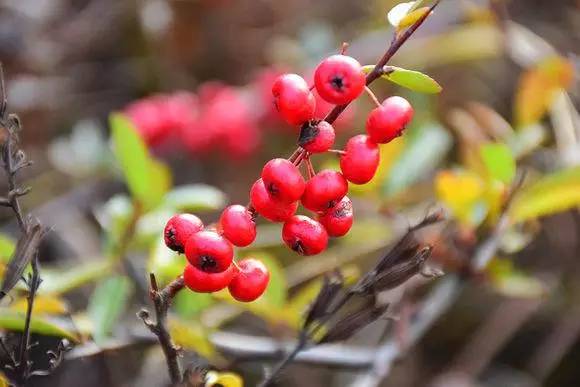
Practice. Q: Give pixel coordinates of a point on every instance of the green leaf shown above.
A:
(191, 335)
(427, 145)
(14, 321)
(511, 282)
(399, 11)
(144, 176)
(59, 281)
(195, 198)
(107, 303)
(499, 162)
(410, 79)
(189, 304)
(165, 263)
(557, 192)
(7, 246)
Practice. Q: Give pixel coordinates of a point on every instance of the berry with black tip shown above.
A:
(283, 180)
(238, 225)
(324, 190)
(267, 206)
(178, 230)
(316, 137)
(388, 121)
(209, 251)
(338, 220)
(339, 79)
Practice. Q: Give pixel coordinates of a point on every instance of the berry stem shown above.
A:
(372, 96)
(337, 151)
(343, 48)
(310, 168)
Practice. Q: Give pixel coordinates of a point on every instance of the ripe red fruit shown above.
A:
(238, 225)
(360, 161)
(324, 190)
(251, 280)
(388, 121)
(293, 99)
(338, 220)
(178, 230)
(205, 282)
(283, 180)
(304, 235)
(339, 79)
(316, 137)
(209, 251)
(269, 207)
(147, 116)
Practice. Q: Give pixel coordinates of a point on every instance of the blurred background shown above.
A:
(194, 77)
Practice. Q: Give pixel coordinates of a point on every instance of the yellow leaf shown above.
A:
(460, 190)
(191, 335)
(412, 18)
(223, 379)
(43, 304)
(537, 88)
(3, 380)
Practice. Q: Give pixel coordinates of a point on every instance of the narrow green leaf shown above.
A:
(414, 80)
(14, 321)
(60, 281)
(145, 178)
(194, 198)
(7, 246)
(499, 162)
(557, 192)
(107, 303)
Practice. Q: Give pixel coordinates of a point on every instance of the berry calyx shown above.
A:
(324, 190)
(178, 230)
(316, 137)
(206, 282)
(304, 235)
(267, 206)
(293, 99)
(250, 281)
(238, 225)
(360, 159)
(338, 220)
(283, 180)
(388, 121)
(209, 251)
(339, 79)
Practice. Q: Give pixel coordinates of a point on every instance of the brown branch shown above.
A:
(162, 300)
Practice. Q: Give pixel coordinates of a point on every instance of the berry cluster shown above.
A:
(339, 79)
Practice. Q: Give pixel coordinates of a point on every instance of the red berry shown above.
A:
(360, 161)
(293, 99)
(324, 190)
(147, 116)
(205, 282)
(238, 225)
(316, 137)
(283, 180)
(389, 120)
(338, 220)
(269, 207)
(250, 281)
(178, 230)
(209, 251)
(304, 235)
(339, 79)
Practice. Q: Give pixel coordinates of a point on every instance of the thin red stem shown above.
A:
(372, 96)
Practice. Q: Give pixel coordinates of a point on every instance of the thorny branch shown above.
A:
(162, 300)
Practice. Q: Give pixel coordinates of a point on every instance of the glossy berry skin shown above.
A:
(293, 99)
(316, 137)
(339, 79)
(388, 121)
(267, 206)
(283, 180)
(324, 190)
(304, 235)
(178, 230)
(338, 220)
(238, 225)
(205, 282)
(361, 159)
(209, 251)
(251, 280)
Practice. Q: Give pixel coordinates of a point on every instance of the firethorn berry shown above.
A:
(178, 230)
(338, 220)
(209, 251)
(339, 79)
(283, 180)
(360, 161)
(293, 99)
(269, 207)
(388, 121)
(304, 235)
(251, 280)
(147, 116)
(238, 225)
(324, 190)
(206, 282)
(316, 137)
